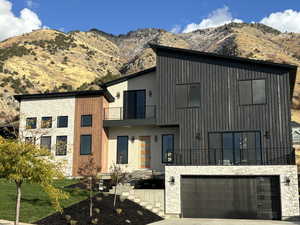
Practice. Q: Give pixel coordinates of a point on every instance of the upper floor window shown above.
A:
(46, 122)
(31, 123)
(85, 144)
(62, 121)
(187, 95)
(86, 120)
(134, 105)
(235, 148)
(167, 148)
(46, 142)
(252, 92)
(61, 145)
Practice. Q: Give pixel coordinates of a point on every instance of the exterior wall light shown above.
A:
(287, 181)
(150, 93)
(155, 138)
(132, 139)
(198, 136)
(267, 135)
(118, 95)
(172, 180)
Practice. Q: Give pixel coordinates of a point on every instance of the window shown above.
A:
(62, 121)
(46, 142)
(46, 122)
(167, 148)
(187, 95)
(122, 149)
(31, 123)
(85, 144)
(61, 145)
(86, 120)
(252, 92)
(134, 104)
(235, 148)
(30, 140)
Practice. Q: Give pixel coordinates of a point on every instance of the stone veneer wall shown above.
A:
(289, 193)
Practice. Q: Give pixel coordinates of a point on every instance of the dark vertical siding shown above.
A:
(220, 110)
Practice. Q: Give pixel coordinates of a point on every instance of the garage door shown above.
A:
(230, 197)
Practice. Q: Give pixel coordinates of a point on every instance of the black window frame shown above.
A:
(43, 146)
(118, 151)
(260, 153)
(42, 122)
(187, 92)
(131, 109)
(57, 151)
(27, 122)
(59, 122)
(253, 91)
(81, 144)
(82, 120)
(162, 148)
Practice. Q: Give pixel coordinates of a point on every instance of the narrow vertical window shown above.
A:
(61, 145)
(167, 148)
(46, 142)
(259, 91)
(85, 144)
(194, 95)
(122, 150)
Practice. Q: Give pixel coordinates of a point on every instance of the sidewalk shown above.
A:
(5, 222)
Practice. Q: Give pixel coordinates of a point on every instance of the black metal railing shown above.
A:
(121, 113)
(228, 157)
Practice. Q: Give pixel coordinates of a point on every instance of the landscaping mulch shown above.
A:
(132, 213)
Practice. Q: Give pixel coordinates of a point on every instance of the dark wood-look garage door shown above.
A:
(230, 197)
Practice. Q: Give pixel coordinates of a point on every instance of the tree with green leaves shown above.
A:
(22, 162)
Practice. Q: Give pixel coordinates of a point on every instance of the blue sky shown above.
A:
(124, 15)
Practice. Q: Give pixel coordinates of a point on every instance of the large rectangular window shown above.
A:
(122, 150)
(85, 144)
(62, 121)
(167, 148)
(252, 92)
(134, 104)
(61, 145)
(31, 123)
(235, 148)
(46, 142)
(86, 120)
(187, 95)
(46, 122)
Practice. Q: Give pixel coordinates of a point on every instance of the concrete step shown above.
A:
(130, 197)
(137, 200)
(125, 194)
(143, 204)
(161, 214)
(157, 204)
(149, 206)
(155, 210)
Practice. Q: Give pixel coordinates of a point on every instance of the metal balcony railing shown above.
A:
(228, 157)
(121, 113)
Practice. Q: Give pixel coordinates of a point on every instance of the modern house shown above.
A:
(218, 126)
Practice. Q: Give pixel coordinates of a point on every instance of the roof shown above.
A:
(130, 76)
(104, 92)
(292, 69)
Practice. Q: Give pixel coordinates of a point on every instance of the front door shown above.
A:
(145, 146)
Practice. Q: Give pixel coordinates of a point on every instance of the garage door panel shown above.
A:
(230, 197)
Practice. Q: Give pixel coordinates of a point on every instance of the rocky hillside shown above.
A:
(50, 60)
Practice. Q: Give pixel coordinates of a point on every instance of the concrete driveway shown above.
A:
(222, 222)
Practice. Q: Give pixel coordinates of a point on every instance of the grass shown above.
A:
(35, 203)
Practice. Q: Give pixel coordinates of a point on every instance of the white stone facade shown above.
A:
(50, 107)
(289, 193)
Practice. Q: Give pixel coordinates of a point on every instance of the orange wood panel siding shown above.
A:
(145, 148)
(90, 105)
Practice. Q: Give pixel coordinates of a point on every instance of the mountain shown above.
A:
(50, 60)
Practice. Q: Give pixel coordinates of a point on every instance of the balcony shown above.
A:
(221, 157)
(120, 116)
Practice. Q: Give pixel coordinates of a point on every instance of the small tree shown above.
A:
(89, 171)
(25, 162)
(117, 177)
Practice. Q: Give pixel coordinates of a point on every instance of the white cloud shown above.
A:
(11, 25)
(288, 20)
(217, 18)
(176, 29)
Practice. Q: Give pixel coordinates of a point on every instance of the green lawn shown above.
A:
(35, 203)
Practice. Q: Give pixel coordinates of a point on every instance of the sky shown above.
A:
(121, 16)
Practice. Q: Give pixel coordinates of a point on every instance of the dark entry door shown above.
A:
(134, 104)
(230, 197)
